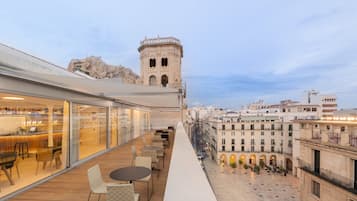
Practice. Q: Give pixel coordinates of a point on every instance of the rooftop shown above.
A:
(147, 42)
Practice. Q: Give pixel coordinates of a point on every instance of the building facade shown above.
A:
(328, 159)
(160, 61)
(327, 102)
(254, 140)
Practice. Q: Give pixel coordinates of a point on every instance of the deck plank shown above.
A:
(73, 185)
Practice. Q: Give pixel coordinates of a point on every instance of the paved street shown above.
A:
(245, 185)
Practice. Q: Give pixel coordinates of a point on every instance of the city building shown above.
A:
(253, 140)
(327, 102)
(287, 110)
(328, 158)
(160, 60)
(222, 141)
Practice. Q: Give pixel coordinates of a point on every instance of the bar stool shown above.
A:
(22, 149)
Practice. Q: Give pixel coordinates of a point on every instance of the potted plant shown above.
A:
(246, 166)
(222, 166)
(240, 162)
(233, 165)
(257, 169)
(284, 171)
(261, 163)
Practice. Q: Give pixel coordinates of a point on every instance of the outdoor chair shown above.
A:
(154, 159)
(161, 152)
(157, 138)
(144, 140)
(96, 183)
(142, 161)
(121, 192)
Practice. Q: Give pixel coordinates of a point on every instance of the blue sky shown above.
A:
(235, 51)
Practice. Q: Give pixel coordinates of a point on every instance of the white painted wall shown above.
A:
(186, 180)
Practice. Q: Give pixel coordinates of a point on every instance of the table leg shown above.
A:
(8, 176)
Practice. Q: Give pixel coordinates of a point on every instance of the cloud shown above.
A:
(234, 52)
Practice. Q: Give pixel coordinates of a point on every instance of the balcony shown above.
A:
(334, 138)
(316, 136)
(169, 183)
(353, 140)
(74, 183)
(329, 176)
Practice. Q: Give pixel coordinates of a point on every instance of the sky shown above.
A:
(235, 52)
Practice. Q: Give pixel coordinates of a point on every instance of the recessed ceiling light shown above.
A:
(12, 98)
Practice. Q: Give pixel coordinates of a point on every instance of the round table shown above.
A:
(130, 173)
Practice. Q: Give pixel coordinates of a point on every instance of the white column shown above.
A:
(66, 132)
(50, 125)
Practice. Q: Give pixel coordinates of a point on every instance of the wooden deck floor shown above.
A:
(73, 185)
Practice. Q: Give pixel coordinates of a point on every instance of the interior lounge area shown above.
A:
(33, 133)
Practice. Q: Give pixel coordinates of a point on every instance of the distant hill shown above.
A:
(95, 67)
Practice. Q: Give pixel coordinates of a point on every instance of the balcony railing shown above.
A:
(329, 176)
(186, 179)
(334, 138)
(316, 136)
(353, 140)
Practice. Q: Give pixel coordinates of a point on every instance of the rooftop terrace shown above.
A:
(73, 185)
(182, 177)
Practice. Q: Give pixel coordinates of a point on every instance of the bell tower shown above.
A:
(160, 61)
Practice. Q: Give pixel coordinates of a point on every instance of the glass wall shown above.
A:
(33, 139)
(34, 136)
(114, 121)
(89, 131)
(126, 125)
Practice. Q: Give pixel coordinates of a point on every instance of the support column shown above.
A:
(50, 125)
(66, 133)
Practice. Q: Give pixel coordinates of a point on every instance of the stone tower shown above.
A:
(160, 60)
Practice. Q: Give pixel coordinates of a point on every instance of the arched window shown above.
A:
(152, 80)
(164, 80)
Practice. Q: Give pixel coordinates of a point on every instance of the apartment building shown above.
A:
(327, 102)
(252, 139)
(328, 159)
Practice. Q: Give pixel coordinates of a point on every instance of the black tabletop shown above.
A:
(7, 158)
(130, 173)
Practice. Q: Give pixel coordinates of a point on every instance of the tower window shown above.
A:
(164, 80)
(164, 62)
(152, 80)
(152, 62)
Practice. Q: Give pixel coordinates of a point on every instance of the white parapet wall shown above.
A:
(186, 180)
